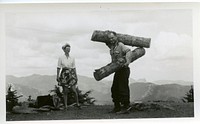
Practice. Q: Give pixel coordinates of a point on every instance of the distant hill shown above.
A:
(44, 83)
(154, 92)
(35, 85)
(26, 91)
(180, 82)
(138, 90)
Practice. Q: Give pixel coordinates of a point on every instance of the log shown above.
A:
(114, 66)
(102, 36)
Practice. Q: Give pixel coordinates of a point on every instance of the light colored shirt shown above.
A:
(119, 51)
(66, 62)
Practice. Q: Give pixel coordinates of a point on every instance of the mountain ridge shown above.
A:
(142, 91)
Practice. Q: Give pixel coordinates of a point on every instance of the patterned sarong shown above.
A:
(68, 77)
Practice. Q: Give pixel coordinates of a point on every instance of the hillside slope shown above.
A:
(143, 91)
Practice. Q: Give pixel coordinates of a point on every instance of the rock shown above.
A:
(23, 110)
(149, 106)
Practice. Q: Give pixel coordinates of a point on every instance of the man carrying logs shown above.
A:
(120, 87)
(121, 57)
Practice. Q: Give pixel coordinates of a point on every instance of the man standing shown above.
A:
(120, 87)
(68, 77)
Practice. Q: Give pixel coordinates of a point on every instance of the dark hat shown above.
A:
(66, 45)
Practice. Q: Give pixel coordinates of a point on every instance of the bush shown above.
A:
(11, 98)
(189, 95)
(84, 98)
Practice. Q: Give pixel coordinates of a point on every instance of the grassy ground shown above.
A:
(101, 112)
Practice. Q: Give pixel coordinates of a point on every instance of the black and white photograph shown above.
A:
(94, 61)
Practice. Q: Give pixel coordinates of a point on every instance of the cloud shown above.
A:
(169, 45)
(169, 57)
(34, 40)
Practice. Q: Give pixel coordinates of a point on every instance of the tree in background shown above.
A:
(84, 98)
(11, 98)
(189, 95)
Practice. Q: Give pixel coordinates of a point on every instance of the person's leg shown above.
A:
(65, 93)
(115, 93)
(76, 94)
(124, 86)
(124, 91)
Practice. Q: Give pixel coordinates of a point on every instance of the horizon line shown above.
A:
(136, 80)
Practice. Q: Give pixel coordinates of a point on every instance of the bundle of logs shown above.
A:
(139, 42)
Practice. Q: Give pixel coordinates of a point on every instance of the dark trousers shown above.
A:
(120, 87)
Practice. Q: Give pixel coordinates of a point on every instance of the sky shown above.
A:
(34, 40)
